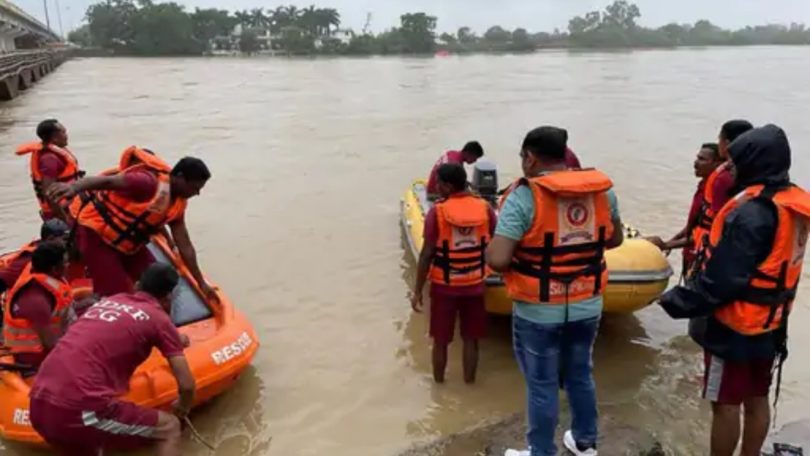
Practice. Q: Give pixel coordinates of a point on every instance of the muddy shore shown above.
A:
(493, 438)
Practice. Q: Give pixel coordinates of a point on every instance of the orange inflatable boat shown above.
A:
(223, 343)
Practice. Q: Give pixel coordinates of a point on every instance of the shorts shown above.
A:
(731, 383)
(118, 426)
(112, 272)
(443, 310)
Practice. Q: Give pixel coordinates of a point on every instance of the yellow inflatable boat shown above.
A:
(639, 273)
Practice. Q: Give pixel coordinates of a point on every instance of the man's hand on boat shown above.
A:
(58, 190)
(208, 291)
(179, 410)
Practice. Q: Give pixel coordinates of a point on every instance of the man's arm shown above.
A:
(59, 190)
(184, 245)
(500, 252)
(422, 270)
(616, 221)
(748, 237)
(186, 385)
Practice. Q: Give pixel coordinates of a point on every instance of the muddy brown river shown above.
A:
(300, 222)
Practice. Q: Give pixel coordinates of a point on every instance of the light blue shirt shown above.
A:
(514, 221)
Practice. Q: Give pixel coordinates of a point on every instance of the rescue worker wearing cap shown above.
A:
(553, 229)
(38, 307)
(119, 211)
(742, 294)
(12, 266)
(51, 161)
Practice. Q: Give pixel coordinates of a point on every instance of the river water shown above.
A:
(300, 222)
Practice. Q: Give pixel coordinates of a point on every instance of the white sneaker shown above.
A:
(517, 453)
(571, 445)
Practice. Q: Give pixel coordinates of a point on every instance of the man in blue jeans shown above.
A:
(554, 227)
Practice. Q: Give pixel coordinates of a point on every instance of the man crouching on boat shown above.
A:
(75, 403)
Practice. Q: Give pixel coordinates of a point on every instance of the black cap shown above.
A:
(53, 228)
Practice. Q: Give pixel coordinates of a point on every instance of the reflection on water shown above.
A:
(299, 224)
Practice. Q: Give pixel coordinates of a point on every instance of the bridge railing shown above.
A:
(12, 63)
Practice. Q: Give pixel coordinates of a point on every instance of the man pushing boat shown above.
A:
(119, 211)
(75, 403)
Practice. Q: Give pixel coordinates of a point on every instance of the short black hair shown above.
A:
(547, 142)
(474, 147)
(733, 129)
(192, 169)
(46, 129)
(453, 174)
(712, 147)
(46, 257)
(53, 228)
(159, 280)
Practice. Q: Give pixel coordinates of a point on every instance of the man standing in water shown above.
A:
(75, 403)
(707, 160)
(457, 230)
(51, 161)
(469, 154)
(553, 229)
(740, 298)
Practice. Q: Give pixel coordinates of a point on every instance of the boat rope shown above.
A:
(197, 435)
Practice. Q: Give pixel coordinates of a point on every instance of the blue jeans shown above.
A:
(542, 351)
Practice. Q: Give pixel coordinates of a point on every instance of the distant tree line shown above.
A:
(143, 27)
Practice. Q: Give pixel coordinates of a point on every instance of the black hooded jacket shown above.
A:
(761, 156)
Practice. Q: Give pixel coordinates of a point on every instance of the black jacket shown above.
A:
(761, 156)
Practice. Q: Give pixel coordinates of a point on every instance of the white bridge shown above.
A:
(20, 30)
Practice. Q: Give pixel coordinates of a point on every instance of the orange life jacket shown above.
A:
(561, 259)
(122, 223)
(9, 259)
(18, 334)
(463, 222)
(771, 291)
(70, 174)
(703, 227)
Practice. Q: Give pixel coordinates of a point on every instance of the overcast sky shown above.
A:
(534, 15)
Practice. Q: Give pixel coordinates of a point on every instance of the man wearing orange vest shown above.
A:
(120, 211)
(707, 160)
(51, 161)
(75, 398)
(553, 229)
(741, 296)
(456, 234)
(38, 306)
(11, 267)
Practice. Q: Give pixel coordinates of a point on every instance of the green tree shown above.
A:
(329, 17)
(163, 29)
(258, 19)
(418, 33)
(243, 18)
(521, 40)
(210, 23)
(497, 34)
(448, 38)
(296, 40)
(109, 23)
(249, 41)
(466, 36)
(81, 36)
(365, 44)
(621, 14)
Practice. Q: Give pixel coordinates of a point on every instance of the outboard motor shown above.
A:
(485, 180)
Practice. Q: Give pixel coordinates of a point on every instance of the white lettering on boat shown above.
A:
(22, 417)
(232, 350)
